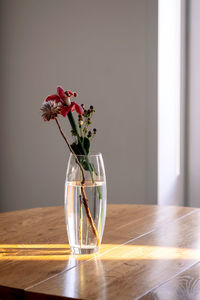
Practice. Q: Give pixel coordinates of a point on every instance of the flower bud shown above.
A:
(85, 130)
(89, 134)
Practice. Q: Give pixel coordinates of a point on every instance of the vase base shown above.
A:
(77, 251)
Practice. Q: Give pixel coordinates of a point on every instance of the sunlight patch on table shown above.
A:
(59, 252)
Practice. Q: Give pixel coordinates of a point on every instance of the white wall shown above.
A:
(193, 107)
(107, 52)
(171, 101)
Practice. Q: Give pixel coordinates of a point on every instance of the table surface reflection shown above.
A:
(147, 252)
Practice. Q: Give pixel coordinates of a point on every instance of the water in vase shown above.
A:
(80, 232)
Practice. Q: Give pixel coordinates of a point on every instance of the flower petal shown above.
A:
(61, 93)
(73, 107)
(69, 93)
(53, 98)
(65, 109)
(78, 108)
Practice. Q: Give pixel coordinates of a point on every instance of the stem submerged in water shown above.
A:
(85, 200)
(81, 217)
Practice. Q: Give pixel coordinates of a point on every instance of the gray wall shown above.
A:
(107, 52)
(193, 107)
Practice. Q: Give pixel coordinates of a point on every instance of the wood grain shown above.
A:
(185, 286)
(34, 246)
(132, 269)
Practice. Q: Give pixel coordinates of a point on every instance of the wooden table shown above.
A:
(148, 252)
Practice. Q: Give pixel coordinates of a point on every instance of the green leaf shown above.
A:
(84, 164)
(78, 149)
(86, 144)
(75, 148)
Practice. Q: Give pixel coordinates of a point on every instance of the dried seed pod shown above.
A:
(50, 110)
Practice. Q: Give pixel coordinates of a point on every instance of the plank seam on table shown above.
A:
(129, 223)
(164, 282)
(92, 258)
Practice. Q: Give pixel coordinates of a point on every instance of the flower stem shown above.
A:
(72, 151)
(85, 200)
(73, 123)
(81, 217)
(74, 127)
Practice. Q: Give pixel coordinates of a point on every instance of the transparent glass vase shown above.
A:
(85, 203)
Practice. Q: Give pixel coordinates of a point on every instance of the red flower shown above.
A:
(64, 98)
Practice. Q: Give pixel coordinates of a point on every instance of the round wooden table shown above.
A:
(148, 252)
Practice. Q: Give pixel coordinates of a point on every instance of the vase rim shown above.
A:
(92, 154)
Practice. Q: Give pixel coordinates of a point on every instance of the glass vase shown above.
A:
(85, 202)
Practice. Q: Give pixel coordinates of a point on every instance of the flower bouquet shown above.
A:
(85, 186)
